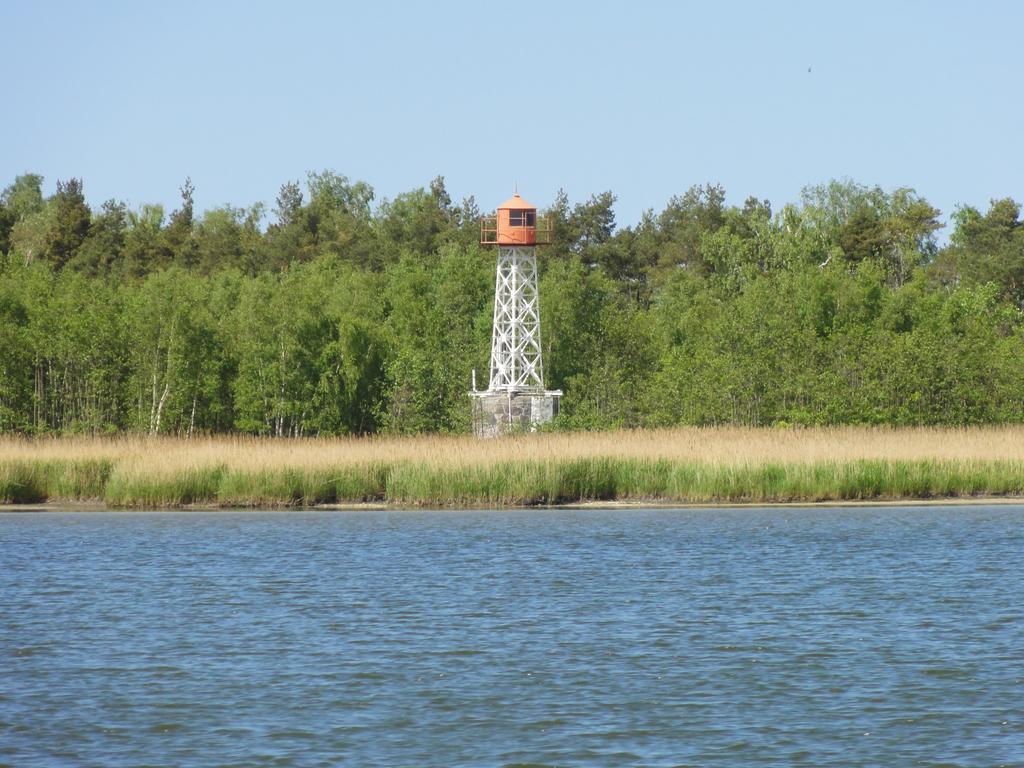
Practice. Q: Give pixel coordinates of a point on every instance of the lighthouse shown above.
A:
(515, 398)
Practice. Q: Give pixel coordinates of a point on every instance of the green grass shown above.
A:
(22, 483)
(31, 482)
(190, 486)
(554, 482)
(508, 483)
(293, 486)
(512, 483)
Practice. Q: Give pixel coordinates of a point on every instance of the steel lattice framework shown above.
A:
(515, 341)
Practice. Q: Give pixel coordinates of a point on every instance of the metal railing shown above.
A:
(544, 230)
(488, 230)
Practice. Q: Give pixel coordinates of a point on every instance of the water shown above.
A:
(753, 637)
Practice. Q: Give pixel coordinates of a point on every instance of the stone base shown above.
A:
(499, 413)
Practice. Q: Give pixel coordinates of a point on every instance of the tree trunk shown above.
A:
(152, 404)
(160, 408)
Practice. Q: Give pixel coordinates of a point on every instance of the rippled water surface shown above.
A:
(751, 637)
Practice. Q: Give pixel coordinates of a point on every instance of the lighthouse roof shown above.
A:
(516, 203)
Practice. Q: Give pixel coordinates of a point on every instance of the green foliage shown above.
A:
(894, 230)
(31, 482)
(22, 483)
(18, 202)
(305, 488)
(102, 248)
(989, 248)
(338, 317)
(70, 225)
(198, 485)
(179, 234)
(145, 246)
(506, 483)
(438, 330)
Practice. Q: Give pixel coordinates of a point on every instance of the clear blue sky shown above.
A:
(642, 98)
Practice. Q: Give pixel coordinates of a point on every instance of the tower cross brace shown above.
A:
(516, 362)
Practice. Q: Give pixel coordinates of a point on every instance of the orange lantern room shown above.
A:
(515, 223)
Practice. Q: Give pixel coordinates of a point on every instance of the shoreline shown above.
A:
(101, 507)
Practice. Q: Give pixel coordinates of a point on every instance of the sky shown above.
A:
(641, 98)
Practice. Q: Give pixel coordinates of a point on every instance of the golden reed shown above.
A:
(686, 464)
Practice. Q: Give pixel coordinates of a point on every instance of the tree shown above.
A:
(24, 197)
(438, 330)
(911, 225)
(228, 238)
(103, 246)
(413, 222)
(896, 230)
(69, 225)
(592, 222)
(289, 203)
(337, 220)
(177, 358)
(15, 354)
(990, 247)
(30, 235)
(21, 201)
(441, 197)
(179, 234)
(145, 248)
(685, 220)
(335, 191)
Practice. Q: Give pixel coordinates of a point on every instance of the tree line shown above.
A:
(334, 314)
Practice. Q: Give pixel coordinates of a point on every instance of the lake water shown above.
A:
(745, 637)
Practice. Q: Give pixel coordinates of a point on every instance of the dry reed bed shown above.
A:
(690, 464)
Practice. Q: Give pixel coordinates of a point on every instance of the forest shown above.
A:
(333, 313)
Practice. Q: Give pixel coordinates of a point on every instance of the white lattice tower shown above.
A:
(515, 341)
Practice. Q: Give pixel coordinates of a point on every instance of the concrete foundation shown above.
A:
(499, 413)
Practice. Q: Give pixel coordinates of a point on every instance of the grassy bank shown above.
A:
(686, 465)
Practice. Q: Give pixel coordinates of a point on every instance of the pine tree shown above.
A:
(71, 218)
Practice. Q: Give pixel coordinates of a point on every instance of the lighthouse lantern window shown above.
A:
(522, 218)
